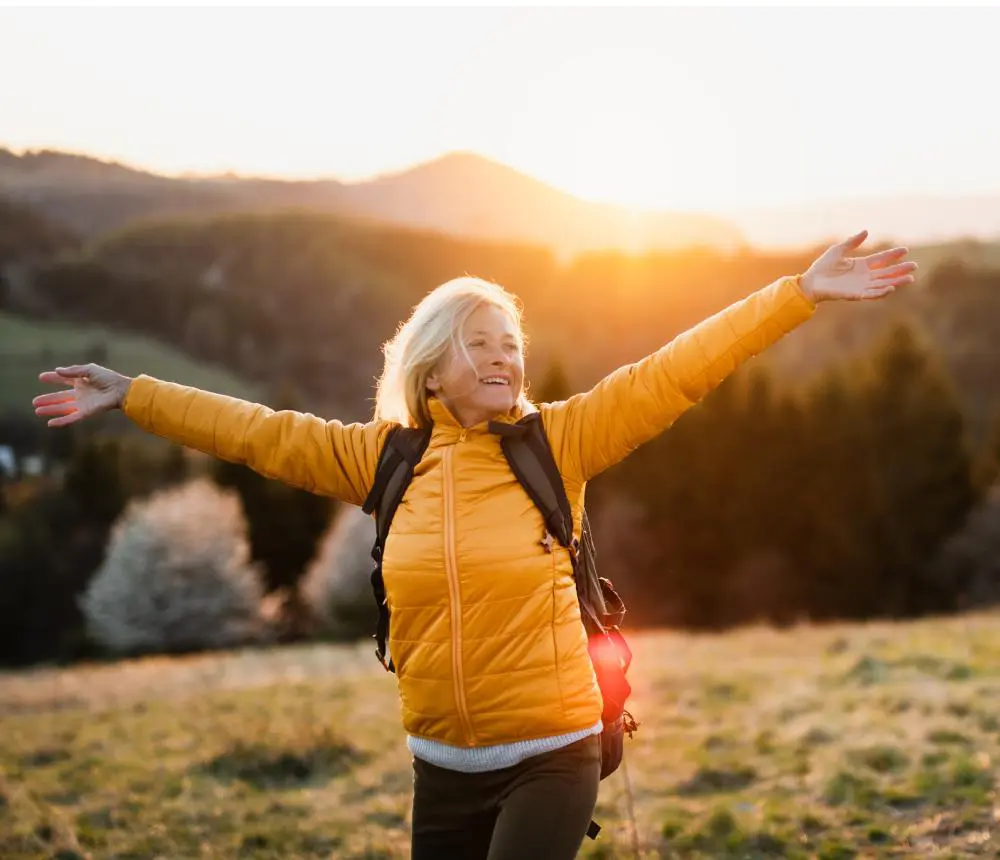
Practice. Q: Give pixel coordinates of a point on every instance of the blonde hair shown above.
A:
(423, 340)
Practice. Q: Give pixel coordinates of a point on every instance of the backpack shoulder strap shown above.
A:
(526, 447)
(403, 449)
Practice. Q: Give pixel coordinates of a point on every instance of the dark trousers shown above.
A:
(536, 810)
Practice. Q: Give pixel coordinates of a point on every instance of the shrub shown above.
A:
(176, 576)
(338, 583)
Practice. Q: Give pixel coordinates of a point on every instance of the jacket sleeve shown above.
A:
(324, 457)
(594, 430)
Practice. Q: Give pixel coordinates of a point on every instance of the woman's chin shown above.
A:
(499, 402)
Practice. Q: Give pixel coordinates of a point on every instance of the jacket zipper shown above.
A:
(451, 567)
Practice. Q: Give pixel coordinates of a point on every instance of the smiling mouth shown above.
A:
(495, 380)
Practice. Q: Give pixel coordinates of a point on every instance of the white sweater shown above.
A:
(480, 759)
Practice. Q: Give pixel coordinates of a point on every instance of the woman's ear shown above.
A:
(433, 383)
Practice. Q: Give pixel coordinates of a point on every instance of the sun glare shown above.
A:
(635, 131)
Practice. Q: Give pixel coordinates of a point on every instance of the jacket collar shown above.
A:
(448, 428)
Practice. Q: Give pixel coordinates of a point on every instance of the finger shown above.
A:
(54, 397)
(66, 419)
(879, 293)
(56, 409)
(40, 403)
(75, 371)
(56, 378)
(894, 271)
(885, 258)
(902, 281)
(854, 241)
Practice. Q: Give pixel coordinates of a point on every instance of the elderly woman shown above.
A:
(500, 702)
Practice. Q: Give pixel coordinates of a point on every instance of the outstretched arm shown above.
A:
(325, 457)
(591, 432)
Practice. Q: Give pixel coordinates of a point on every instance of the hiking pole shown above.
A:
(630, 806)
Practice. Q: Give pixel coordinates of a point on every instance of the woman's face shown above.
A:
(485, 379)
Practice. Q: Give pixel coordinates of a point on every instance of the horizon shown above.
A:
(195, 175)
(751, 135)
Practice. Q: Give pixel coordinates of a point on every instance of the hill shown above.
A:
(27, 235)
(467, 195)
(28, 347)
(462, 194)
(299, 303)
(470, 196)
(303, 301)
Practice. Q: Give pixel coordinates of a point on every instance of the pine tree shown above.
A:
(685, 484)
(835, 497)
(924, 465)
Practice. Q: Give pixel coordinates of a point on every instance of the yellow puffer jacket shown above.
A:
(485, 627)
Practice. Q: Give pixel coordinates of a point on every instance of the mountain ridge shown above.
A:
(461, 193)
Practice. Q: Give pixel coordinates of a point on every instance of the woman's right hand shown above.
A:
(94, 390)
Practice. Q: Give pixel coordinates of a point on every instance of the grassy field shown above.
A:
(840, 742)
(28, 347)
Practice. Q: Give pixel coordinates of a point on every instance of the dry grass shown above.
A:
(863, 741)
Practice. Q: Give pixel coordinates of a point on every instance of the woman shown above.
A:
(499, 698)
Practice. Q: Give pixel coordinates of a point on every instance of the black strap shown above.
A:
(590, 587)
(526, 447)
(529, 454)
(401, 453)
(387, 462)
(403, 448)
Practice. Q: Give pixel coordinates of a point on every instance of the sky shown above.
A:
(716, 110)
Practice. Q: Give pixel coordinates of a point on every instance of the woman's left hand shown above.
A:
(835, 276)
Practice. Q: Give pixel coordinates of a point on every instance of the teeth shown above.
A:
(495, 380)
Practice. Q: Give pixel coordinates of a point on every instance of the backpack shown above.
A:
(526, 448)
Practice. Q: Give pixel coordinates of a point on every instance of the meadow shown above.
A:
(835, 742)
(30, 346)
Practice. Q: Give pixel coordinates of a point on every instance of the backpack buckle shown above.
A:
(548, 541)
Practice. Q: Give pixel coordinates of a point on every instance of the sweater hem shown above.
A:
(494, 757)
